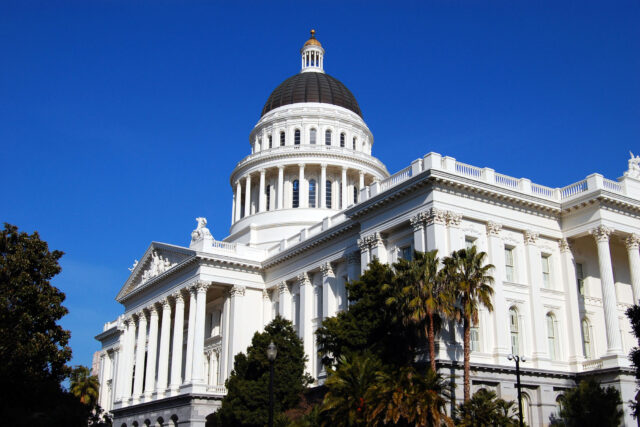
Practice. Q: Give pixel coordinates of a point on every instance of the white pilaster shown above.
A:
(280, 187)
(198, 344)
(534, 277)
(140, 351)
(163, 362)
(306, 314)
(150, 377)
(328, 291)
(226, 318)
(262, 202)
(178, 331)
(266, 307)
(418, 226)
(188, 366)
(574, 323)
(365, 256)
(284, 301)
(632, 243)
(435, 230)
(614, 343)
(456, 237)
(236, 342)
(378, 250)
(501, 325)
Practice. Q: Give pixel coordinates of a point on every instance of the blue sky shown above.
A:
(121, 121)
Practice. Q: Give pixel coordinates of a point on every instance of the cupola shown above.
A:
(312, 55)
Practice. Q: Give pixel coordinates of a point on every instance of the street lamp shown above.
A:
(272, 352)
(518, 359)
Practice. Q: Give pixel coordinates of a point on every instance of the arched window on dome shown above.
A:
(312, 193)
(281, 138)
(342, 138)
(327, 137)
(296, 137)
(355, 195)
(268, 197)
(514, 328)
(270, 141)
(312, 136)
(328, 194)
(295, 200)
(354, 142)
(260, 145)
(586, 339)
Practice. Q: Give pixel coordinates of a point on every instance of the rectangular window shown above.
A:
(270, 142)
(580, 278)
(469, 242)
(312, 136)
(296, 311)
(318, 297)
(475, 339)
(282, 139)
(268, 197)
(327, 190)
(546, 273)
(405, 253)
(508, 263)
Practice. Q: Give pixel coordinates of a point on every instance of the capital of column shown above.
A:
(601, 233)
(454, 219)
(493, 228)
(166, 305)
(345, 169)
(303, 279)
(283, 289)
(280, 167)
(323, 165)
(632, 242)
(153, 310)
(265, 294)
(178, 297)
(262, 171)
(327, 270)
(353, 257)
(418, 221)
(363, 244)
(237, 291)
(530, 237)
(301, 165)
(361, 173)
(375, 239)
(563, 244)
(436, 216)
(201, 286)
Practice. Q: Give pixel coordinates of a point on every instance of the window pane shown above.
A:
(327, 137)
(508, 261)
(469, 242)
(312, 193)
(270, 142)
(328, 194)
(342, 140)
(355, 195)
(281, 138)
(354, 143)
(296, 194)
(268, 197)
(580, 278)
(312, 136)
(296, 138)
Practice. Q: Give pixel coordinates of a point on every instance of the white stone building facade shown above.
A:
(312, 207)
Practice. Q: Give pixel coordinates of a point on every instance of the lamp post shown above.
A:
(518, 359)
(272, 352)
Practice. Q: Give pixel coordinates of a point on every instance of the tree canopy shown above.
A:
(590, 405)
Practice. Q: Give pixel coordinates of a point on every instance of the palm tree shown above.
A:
(486, 409)
(344, 403)
(84, 385)
(408, 397)
(467, 276)
(421, 295)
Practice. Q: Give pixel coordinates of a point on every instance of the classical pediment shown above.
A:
(158, 260)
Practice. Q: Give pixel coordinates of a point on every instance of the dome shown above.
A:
(312, 87)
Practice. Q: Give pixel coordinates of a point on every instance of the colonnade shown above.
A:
(242, 198)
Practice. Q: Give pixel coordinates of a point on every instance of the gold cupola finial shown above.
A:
(312, 40)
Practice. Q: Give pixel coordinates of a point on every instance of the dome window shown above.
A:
(270, 142)
(312, 136)
(354, 142)
(312, 193)
(328, 194)
(281, 139)
(327, 137)
(296, 137)
(342, 140)
(295, 201)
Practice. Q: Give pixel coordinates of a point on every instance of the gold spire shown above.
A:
(313, 41)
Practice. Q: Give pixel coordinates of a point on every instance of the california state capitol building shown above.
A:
(312, 207)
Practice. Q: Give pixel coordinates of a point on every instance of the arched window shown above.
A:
(268, 197)
(282, 139)
(296, 194)
(342, 138)
(312, 193)
(551, 336)
(259, 144)
(354, 143)
(526, 409)
(515, 331)
(586, 339)
(327, 185)
(340, 197)
(327, 137)
(312, 136)
(270, 142)
(242, 199)
(296, 137)
(355, 195)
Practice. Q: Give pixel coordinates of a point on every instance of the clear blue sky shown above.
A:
(121, 121)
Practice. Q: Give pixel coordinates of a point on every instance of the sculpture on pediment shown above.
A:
(156, 266)
(133, 267)
(634, 167)
(201, 231)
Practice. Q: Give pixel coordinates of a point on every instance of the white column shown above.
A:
(190, 334)
(538, 323)
(115, 381)
(247, 196)
(323, 185)
(238, 200)
(163, 363)
(614, 344)
(150, 382)
(262, 202)
(213, 376)
(418, 225)
(128, 354)
(178, 331)
(456, 238)
(303, 188)
(236, 344)
(280, 187)
(343, 183)
(306, 314)
(224, 351)
(633, 242)
(361, 181)
(284, 301)
(328, 291)
(102, 380)
(365, 257)
(198, 345)
(140, 351)
(435, 230)
(233, 208)
(266, 307)
(574, 322)
(121, 372)
(502, 334)
(353, 272)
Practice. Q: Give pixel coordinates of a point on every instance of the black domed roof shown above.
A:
(312, 87)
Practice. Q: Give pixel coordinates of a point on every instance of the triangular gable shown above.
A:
(157, 260)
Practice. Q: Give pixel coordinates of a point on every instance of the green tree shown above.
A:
(590, 405)
(421, 295)
(345, 403)
(33, 348)
(84, 386)
(486, 409)
(247, 399)
(633, 313)
(469, 282)
(370, 324)
(407, 397)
